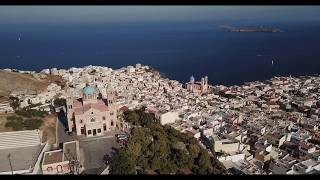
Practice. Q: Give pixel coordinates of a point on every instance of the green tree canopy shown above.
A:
(162, 149)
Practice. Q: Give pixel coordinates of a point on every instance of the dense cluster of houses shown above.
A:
(268, 127)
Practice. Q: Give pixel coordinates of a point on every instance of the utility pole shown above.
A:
(10, 163)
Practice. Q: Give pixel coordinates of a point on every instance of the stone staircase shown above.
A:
(18, 139)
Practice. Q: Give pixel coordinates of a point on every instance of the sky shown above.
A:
(104, 14)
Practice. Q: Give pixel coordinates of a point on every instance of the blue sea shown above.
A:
(178, 50)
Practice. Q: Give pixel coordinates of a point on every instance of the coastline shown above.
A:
(162, 75)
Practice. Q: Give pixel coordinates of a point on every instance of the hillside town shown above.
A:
(269, 127)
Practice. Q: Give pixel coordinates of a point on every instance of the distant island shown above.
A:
(251, 29)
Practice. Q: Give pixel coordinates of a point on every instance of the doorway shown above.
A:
(94, 132)
(83, 131)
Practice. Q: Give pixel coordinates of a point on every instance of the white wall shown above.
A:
(169, 117)
(233, 158)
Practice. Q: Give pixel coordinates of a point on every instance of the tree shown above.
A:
(161, 149)
(122, 164)
(218, 167)
(142, 162)
(182, 160)
(155, 162)
(194, 150)
(204, 163)
(134, 149)
(146, 119)
(169, 167)
(142, 136)
(60, 102)
(133, 118)
(14, 102)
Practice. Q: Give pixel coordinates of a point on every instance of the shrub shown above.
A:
(27, 112)
(18, 123)
(59, 102)
(14, 102)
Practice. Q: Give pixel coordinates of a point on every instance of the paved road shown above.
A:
(62, 135)
(94, 149)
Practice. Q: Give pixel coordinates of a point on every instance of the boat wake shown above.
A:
(262, 55)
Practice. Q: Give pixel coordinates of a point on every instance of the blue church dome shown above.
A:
(192, 79)
(88, 90)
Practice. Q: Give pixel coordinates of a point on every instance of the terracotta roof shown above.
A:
(271, 103)
(81, 109)
(124, 108)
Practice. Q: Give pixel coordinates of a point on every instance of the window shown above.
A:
(82, 130)
(81, 121)
(92, 120)
(89, 131)
(111, 123)
(59, 168)
(49, 169)
(104, 127)
(91, 112)
(111, 114)
(99, 130)
(103, 118)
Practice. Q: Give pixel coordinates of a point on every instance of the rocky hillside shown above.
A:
(12, 81)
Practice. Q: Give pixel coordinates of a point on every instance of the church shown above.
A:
(198, 87)
(92, 115)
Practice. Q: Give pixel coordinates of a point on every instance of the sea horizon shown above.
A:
(178, 50)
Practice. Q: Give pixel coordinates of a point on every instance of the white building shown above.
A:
(167, 118)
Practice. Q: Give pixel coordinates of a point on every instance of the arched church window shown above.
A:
(92, 120)
(59, 168)
(49, 169)
(111, 122)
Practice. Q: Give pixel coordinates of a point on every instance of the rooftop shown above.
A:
(22, 158)
(52, 157)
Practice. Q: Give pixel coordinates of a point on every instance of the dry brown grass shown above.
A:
(48, 127)
(10, 81)
(3, 120)
(3, 96)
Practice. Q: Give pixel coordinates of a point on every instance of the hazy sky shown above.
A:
(100, 14)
